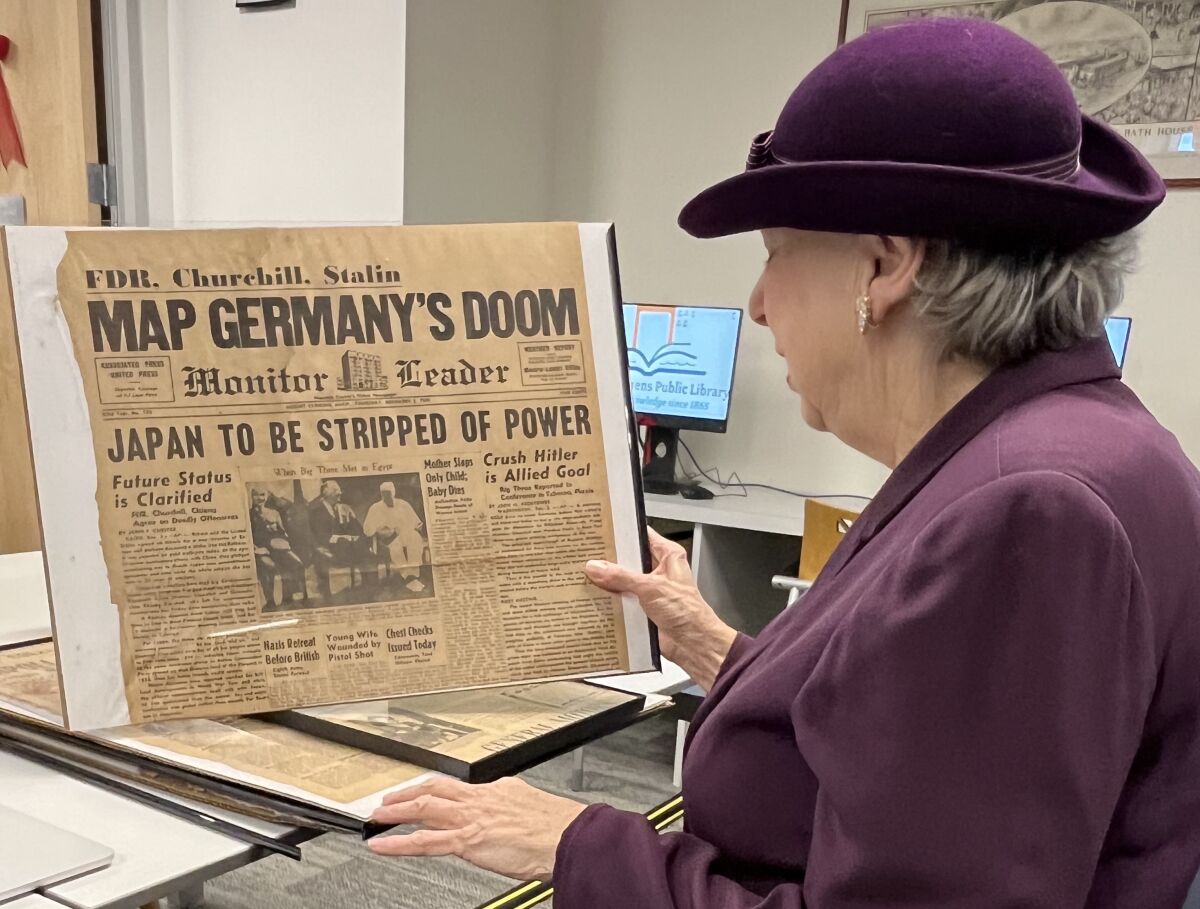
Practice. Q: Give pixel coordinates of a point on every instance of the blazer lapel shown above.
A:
(1005, 388)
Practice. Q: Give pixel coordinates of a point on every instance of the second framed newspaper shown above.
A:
(285, 467)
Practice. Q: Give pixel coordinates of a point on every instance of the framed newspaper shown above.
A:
(285, 467)
(477, 736)
(243, 764)
(1133, 63)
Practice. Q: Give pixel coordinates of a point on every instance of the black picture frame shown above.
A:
(1174, 182)
(509, 761)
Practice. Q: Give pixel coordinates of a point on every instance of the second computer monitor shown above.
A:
(1117, 328)
(681, 362)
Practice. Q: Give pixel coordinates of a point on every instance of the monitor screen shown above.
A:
(681, 361)
(1118, 336)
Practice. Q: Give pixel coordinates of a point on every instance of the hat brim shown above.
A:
(1114, 190)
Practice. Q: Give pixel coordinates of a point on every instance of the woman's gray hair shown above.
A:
(998, 307)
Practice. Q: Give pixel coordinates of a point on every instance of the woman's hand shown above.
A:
(689, 632)
(508, 826)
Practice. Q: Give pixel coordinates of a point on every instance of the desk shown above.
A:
(760, 510)
(32, 901)
(25, 609)
(156, 855)
(738, 544)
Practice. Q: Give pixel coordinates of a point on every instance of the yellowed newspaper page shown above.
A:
(29, 678)
(246, 750)
(333, 465)
(323, 768)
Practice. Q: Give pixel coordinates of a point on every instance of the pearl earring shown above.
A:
(865, 319)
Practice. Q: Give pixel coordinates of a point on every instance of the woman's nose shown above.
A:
(757, 310)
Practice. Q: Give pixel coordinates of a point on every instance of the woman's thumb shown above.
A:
(611, 577)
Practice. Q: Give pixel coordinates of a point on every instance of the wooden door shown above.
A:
(50, 78)
(51, 81)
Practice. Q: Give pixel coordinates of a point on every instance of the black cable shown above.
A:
(735, 480)
(714, 480)
(163, 803)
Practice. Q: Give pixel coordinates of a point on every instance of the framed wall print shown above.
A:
(1135, 64)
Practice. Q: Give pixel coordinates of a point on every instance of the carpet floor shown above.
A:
(629, 769)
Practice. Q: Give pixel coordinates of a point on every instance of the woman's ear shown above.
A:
(897, 262)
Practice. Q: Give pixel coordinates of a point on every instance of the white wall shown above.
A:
(288, 115)
(479, 110)
(658, 100)
(538, 109)
(1163, 364)
(655, 99)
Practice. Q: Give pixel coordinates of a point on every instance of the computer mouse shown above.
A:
(695, 492)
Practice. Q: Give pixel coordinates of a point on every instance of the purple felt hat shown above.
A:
(953, 128)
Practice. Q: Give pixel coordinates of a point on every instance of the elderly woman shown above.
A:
(991, 696)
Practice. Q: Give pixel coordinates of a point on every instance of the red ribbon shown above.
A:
(10, 137)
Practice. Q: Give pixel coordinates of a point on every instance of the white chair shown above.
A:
(795, 587)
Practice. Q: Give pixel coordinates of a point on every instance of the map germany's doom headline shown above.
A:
(148, 324)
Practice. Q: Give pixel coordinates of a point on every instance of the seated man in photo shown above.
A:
(337, 535)
(273, 553)
(396, 529)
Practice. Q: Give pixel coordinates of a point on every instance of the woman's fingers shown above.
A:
(427, 810)
(442, 787)
(507, 826)
(669, 557)
(660, 546)
(653, 590)
(420, 842)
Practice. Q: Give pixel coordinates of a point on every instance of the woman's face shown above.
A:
(806, 296)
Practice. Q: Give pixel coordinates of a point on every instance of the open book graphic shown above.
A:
(670, 359)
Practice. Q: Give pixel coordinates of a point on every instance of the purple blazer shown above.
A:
(990, 697)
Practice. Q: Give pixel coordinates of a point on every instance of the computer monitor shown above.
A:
(681, 364)
(1117, 328)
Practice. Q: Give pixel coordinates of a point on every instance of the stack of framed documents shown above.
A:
(239, 763)
(310, 473)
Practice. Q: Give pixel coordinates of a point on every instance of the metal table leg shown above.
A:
(577, 775)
